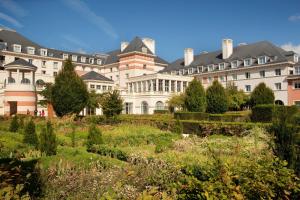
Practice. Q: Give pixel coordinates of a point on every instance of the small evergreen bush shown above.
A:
(14, 124)
(262, 95)
(48, 142)
(178, 127)
(94, 137)
(262, 113)
(216, 99)
(30, 136)
(195, 100)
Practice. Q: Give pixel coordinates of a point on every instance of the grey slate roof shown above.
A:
(92, 75)
(12, 37)
(21, 62)
(135, 45)
(263, 48)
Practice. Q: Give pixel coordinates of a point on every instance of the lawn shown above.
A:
(159, 165)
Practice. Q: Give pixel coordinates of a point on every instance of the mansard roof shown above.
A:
(92, 75)
(263, 48)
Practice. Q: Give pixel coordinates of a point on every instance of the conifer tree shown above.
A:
(112, 104)
(195, 100)
(216, 98)
(30, 136)
(262, 95)
(69, 92)
(48, 143)
(94, 136)
(14, 124)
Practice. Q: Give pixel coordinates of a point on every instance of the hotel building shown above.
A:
(145, 80)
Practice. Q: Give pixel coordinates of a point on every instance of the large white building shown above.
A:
(145, 80)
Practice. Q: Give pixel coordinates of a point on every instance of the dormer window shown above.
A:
(83, 59)
(210, 68)
(74, 58)
(180, 72)
(199, 69)
(43, 52)
(296, 58)
(221, 66)
(99, 61)
(234, 64)
(65, 56)
(30, 50)
(190, 71)
(144, 49)
(248, 62)
(17, 48)
(91, 60)
(262, 60)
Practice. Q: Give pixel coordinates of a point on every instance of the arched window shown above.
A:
(40, 82)
(25, 81)
(11, 80)
(159, 105)
(144, 107)
(279, 102)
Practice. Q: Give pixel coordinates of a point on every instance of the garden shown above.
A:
(210, 148)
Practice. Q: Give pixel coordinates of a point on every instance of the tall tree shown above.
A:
(30, 136)
(195, 100)
(236, 98)
(69, 92)
(262, 95)
(216, 98)
(112, 104)
(94, 100)
(176, 101)
(48, 143)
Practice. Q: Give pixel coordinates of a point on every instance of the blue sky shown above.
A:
(99, 26)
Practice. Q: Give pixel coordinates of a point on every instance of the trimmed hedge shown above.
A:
(200, 128)
(161, 111)
(227, 117)
(262, 113)
(113, 152)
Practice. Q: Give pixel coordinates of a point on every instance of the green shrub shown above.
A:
(94, 136)
(262, 95)
(178, 127)
(112, 104)
(226, 117)
(48, 142)
(195, 100)
(216, 98)
(262, 113)
(161, 111)
(30, 136)
(14, 124)
(191, 116)
(109, 151)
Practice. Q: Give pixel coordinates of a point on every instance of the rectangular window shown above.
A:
(296, 58)
(43, 52)
(247, 75)
(297, 103)
(139, 87)
(127, 75)
(91, 60)
(111, 69)
(210, 68)
(178, 86)
(149, 86)
(17, 48)
(234, 77)
(297, 70)
(297, 85)
(128, 108)
(104, 87)
(221, 66)
(199, 69)
(109, 88)
(43, 72)
(154, 84)
(65, 56)
(83, 59)
(172, 86)
(98, 87)
(55, 65)
(234, 64)
(190, 70)
(99, 61)
(54, 73)
(184, 85)
(30, 61)
(30, 50)
(74, 58)
(92, 86)
(167, 85)
(222, 78)
(144, 66)
(262, 74)
(277, 72)
(248, 62)
(160, 85)
(262, 60)
(277, 86)
(248, 88)
(43, 63)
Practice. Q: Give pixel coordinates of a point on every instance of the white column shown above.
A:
(163, 85)
(175, 86)
(18, 76)
(170, 81)
(156, 84)
(181, 86)
(147, 85)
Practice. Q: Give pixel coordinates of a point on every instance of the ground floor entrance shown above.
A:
(13, 107)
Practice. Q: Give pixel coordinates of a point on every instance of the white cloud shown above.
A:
(294, 18)
(291, 47)
(13, 7)
(99, 21)
(10, 20)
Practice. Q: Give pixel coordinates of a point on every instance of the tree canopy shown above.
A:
(195, 100)
(111, 103)
(216, 98)
(262, 95)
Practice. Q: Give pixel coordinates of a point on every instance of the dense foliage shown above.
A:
(236, 98)
(112, 104)
(195, 100)
(48, 143)
(262, 95)
(262, 113)
(69, 92)
(30, 136)
(176, 102)
(14, 124)
(216, 98)
(94, 136)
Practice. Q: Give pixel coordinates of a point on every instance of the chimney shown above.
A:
(188, 56)
(124, 45)
(227, 48)
(150, 43)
